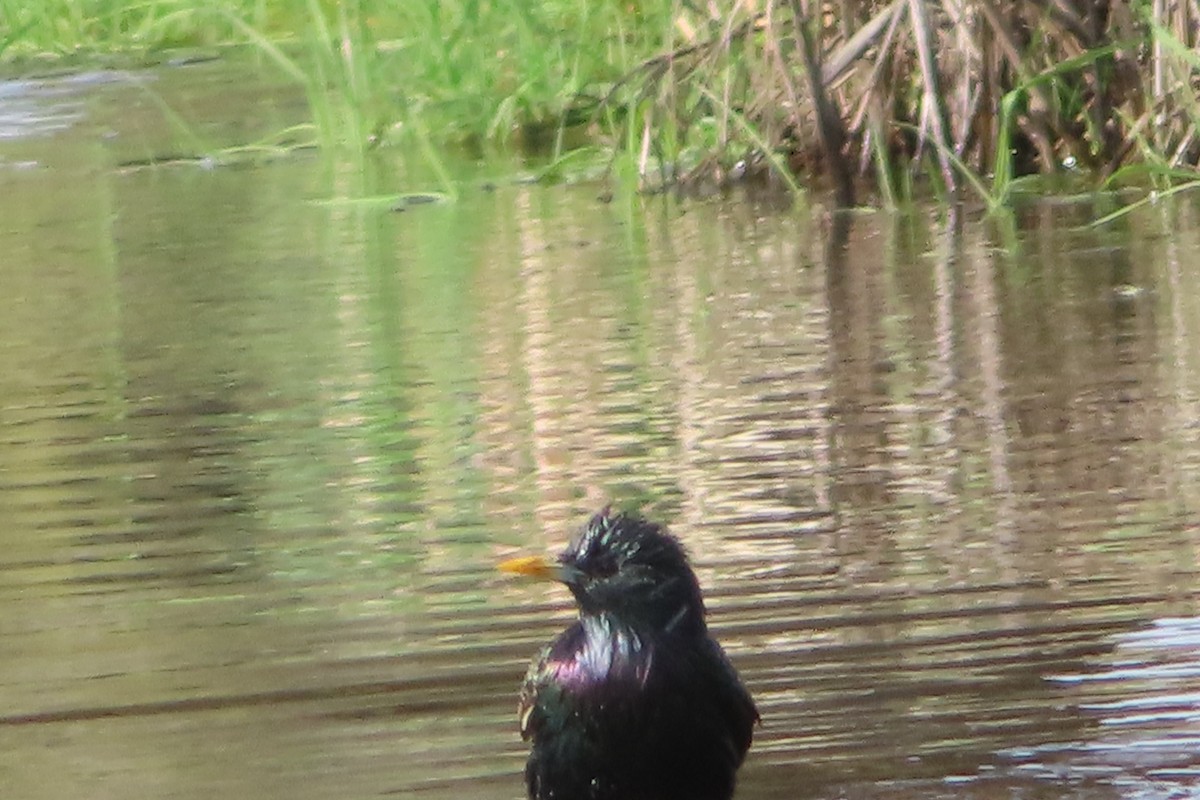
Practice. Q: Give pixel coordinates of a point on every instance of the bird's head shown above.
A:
(628, 567)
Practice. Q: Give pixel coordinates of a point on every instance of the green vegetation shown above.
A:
(976, 94)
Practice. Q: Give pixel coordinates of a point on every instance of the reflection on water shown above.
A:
(1148, 706)
(258, 455)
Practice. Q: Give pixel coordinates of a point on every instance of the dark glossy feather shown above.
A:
(634, 701)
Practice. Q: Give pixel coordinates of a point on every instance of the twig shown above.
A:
(831, 130)
(933, 101)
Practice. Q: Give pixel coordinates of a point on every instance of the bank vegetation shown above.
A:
(873, 97)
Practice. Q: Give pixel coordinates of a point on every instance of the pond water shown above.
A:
(261, 446)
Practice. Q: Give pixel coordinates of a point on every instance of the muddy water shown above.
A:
(260, 447)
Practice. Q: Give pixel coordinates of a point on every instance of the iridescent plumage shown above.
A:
(633, 701)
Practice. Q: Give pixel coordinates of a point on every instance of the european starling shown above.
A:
(633, 701)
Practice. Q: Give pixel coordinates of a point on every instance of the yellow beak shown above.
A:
(533, 566)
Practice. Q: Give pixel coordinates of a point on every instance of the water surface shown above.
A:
(260, 447)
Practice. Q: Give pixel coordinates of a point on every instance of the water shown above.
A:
(260, 448)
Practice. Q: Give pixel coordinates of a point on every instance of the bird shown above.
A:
(634, 700)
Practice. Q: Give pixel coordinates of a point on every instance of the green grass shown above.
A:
(473, 70)
(551, 76)
(68, 27)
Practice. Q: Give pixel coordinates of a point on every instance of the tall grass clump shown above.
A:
(966, 93)
(510, 70)
(478, 72)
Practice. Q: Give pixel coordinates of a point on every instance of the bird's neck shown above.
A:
(684, 620)
(601, 650)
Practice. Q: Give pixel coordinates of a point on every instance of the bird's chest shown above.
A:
(588, 683)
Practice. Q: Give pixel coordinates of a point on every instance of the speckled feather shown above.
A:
(634, 701)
